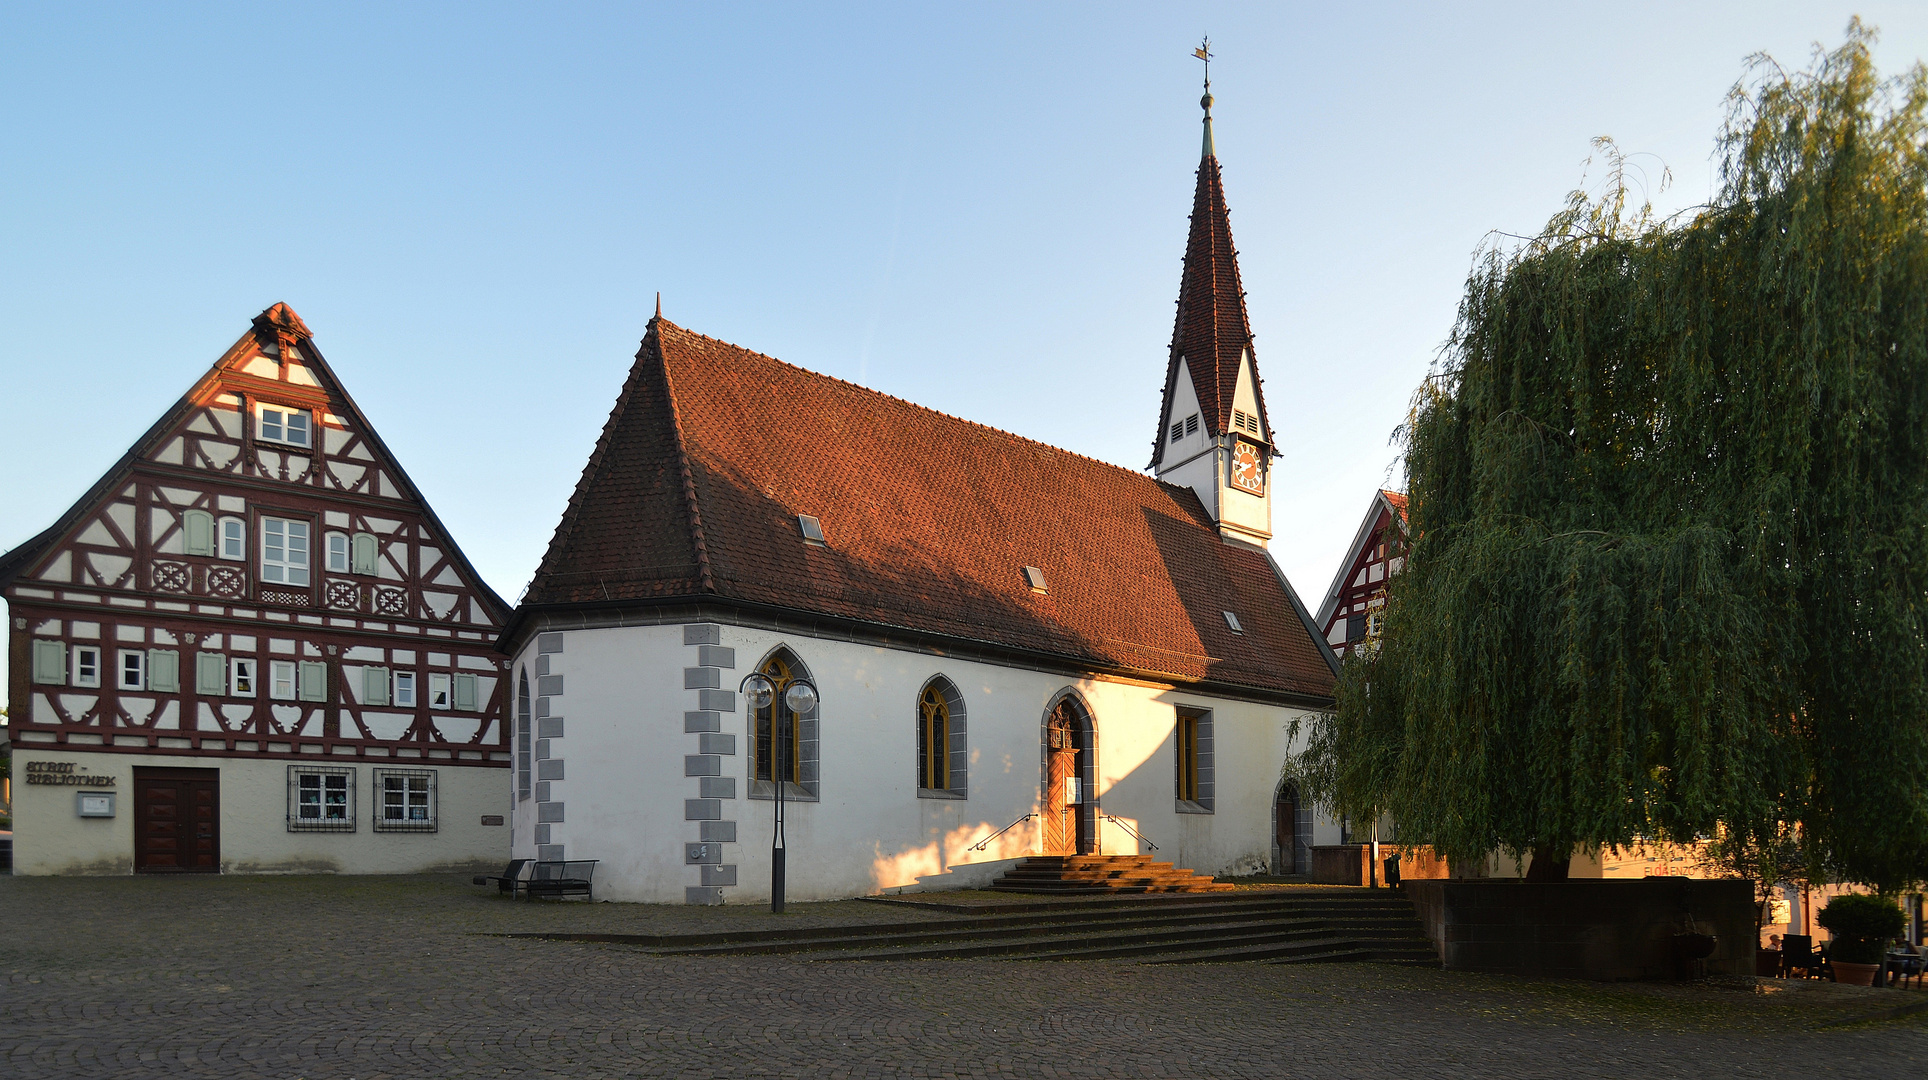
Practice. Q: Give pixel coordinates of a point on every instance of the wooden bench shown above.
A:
(566, 878)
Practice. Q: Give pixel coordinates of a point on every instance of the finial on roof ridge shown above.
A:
(659, 303)
(1204, 52)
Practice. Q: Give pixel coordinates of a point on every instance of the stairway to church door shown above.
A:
(1061, 800)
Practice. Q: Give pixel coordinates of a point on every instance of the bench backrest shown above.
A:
(570, 870)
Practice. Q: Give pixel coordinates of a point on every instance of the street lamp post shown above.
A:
(799, 697)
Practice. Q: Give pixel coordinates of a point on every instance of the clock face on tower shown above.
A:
(1248, 467)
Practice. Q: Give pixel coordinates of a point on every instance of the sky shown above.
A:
(980, 208)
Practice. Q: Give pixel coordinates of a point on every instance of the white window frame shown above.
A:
(277, 533)
(441, 691)
(137, 668)
(241, 676)
(402, 695)
(338, 556)
(231, 539)
(321, 781)
(280, 673)
(87, 665)
(272, 423)
(408, 783)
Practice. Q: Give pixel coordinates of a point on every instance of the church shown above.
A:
(995, 676)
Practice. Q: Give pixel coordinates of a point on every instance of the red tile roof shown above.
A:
(1212, 330)
(713, 451)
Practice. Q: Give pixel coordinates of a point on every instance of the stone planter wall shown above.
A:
(1606, 930)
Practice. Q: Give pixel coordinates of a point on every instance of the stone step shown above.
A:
(1092, 945)
(864, 938)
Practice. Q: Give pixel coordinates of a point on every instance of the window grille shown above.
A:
(405, 800)
(321, 799)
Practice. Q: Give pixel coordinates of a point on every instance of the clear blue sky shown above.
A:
(980, 208)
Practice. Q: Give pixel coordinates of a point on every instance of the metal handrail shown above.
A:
(1126, 825)
(981, 844)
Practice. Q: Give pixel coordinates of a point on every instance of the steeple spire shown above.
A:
(1213, 433)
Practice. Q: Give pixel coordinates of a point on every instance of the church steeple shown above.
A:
(1212, 399)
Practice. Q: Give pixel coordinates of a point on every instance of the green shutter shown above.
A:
(210, 673)
(197, 532)
(374, 685)
(50, 662)
(163, 671)
(465, 692)
(362, 553)
(313, 680)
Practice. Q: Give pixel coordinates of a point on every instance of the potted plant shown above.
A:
(1861, 926)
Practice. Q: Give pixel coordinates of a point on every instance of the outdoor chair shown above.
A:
(509, 880)
(1798, 954)
(1904, 964)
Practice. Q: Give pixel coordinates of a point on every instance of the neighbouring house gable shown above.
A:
(266, 435)
(1354, 602)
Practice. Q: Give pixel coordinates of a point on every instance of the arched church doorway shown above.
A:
(1070, 808)
(1291, 831)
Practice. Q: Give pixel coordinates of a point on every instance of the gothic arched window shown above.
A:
(942, 754)
(779, 733)
(523, 745)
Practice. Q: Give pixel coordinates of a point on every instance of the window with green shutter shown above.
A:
(197, 532)
(314, 680)
(465, 692)
(211, 673)
(374, 686)
(364, 553)
(164, 671)
(50, 662)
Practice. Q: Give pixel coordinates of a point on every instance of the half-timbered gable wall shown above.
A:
(256, 578)
(1355, 604)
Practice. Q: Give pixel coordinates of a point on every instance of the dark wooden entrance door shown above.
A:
(1060, 810)
(1285, 831)
(177, 821)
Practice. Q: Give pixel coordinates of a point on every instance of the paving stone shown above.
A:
(337, 977)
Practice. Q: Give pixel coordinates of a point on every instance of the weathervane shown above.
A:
(1204, 52)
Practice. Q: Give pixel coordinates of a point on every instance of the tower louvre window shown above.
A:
(1178, 430)
(1191, 424)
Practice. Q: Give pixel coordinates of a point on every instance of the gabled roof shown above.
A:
(1383, 503)
(274, 325)
(1212, 334)
(712, 451)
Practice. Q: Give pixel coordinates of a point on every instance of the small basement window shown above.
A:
(812, 529)
(1034, 577)
(1231, 620)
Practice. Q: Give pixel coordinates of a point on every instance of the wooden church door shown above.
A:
(177, 821)
(1061, 800)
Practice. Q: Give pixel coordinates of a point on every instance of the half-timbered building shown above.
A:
(1017, 650)
(251, 646)
(1354, 607)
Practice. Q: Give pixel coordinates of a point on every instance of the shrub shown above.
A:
(1861, 924)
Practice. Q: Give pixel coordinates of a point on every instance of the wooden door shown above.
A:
(177, 821)
(1060, 816)
(1285, 831)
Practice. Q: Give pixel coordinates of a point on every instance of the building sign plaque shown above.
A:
(65, 774)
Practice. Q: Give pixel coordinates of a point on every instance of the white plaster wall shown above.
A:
(51, 838)
(624, 792)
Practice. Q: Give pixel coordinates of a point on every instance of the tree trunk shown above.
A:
(1549, 863)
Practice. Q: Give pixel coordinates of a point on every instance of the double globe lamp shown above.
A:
(800, 697)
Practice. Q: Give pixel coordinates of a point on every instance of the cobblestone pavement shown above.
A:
(378, 977)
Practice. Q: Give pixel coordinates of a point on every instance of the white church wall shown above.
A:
(623, 700)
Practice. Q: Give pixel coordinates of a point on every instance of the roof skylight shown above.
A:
(812, 529)
(1034, 577)
(1231, 620)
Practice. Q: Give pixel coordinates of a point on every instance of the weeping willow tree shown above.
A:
(1669, 508)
